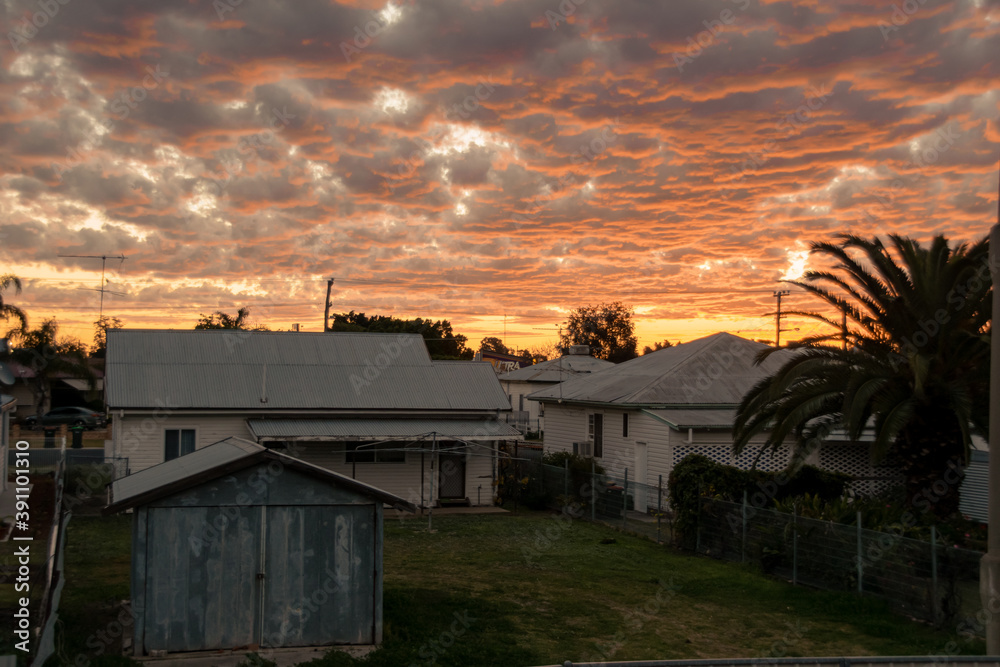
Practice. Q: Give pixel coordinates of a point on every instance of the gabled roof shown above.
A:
(713, 371)
(557, 370)
(227, 369)
(223, 458)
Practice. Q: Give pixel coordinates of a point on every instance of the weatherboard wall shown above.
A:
(141, 437)
(404, 479)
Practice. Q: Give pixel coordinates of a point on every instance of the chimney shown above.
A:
(583, 350)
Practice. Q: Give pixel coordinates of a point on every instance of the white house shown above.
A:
(646, 414)
(374, 407)
(529, 379)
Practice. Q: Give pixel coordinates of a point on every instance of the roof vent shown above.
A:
(583, 350)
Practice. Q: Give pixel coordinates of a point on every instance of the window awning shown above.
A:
(271, 430)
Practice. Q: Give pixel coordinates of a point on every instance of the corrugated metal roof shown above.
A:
(557, 370)
(293, 370)
(715, 370)
(693, 418)
(215, 460)
(380, 429)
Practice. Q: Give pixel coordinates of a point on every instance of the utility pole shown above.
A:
(777, 318)
(104, 260)
(326, 307)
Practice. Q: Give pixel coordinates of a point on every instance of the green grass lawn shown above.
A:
(495, 590)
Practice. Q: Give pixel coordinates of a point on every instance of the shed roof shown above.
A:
(227, 369)
(6, 400)
(557, 370)
(380, 429)
(216, 460)
(711, 371)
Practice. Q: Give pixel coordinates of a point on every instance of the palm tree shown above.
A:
(49, 357)
(8, 311)
(913, 362)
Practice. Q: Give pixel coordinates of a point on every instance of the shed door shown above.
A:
(201, 582)
(319, 586)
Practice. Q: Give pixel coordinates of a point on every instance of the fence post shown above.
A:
(565, 477)
(697, 524)
(795, 544)
(659, 505)
(743, 544)
(625, 499)
(861, 565)
(593, 491)
(934, 575)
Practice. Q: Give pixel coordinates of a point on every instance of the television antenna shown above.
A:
(104, 260)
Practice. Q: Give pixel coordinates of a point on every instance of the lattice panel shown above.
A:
(769, 461)
(855, 461)
(718, 453)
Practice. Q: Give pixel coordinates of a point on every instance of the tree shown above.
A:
(913, 362)
(49, 357)
(607, 328)
(493, 344)
(441, 341)
(222, 320)
(101, 326)
(657, 347)
(544, 352)
(8, 311)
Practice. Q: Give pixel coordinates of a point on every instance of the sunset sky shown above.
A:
(481, 159)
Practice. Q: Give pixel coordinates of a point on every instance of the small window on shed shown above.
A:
(177, 442)
(624, 424)
(383, 452)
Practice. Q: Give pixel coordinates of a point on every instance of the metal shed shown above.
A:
(236, 545)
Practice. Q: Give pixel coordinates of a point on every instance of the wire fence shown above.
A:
(927, 580)
(612, 499)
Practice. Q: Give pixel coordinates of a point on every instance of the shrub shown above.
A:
(697, 475)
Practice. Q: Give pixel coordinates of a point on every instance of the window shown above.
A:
(384, 452)
(177, 442)
(597, 434)
(624, 424)
(520, 402)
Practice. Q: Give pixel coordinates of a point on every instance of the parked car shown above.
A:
(86, 417)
